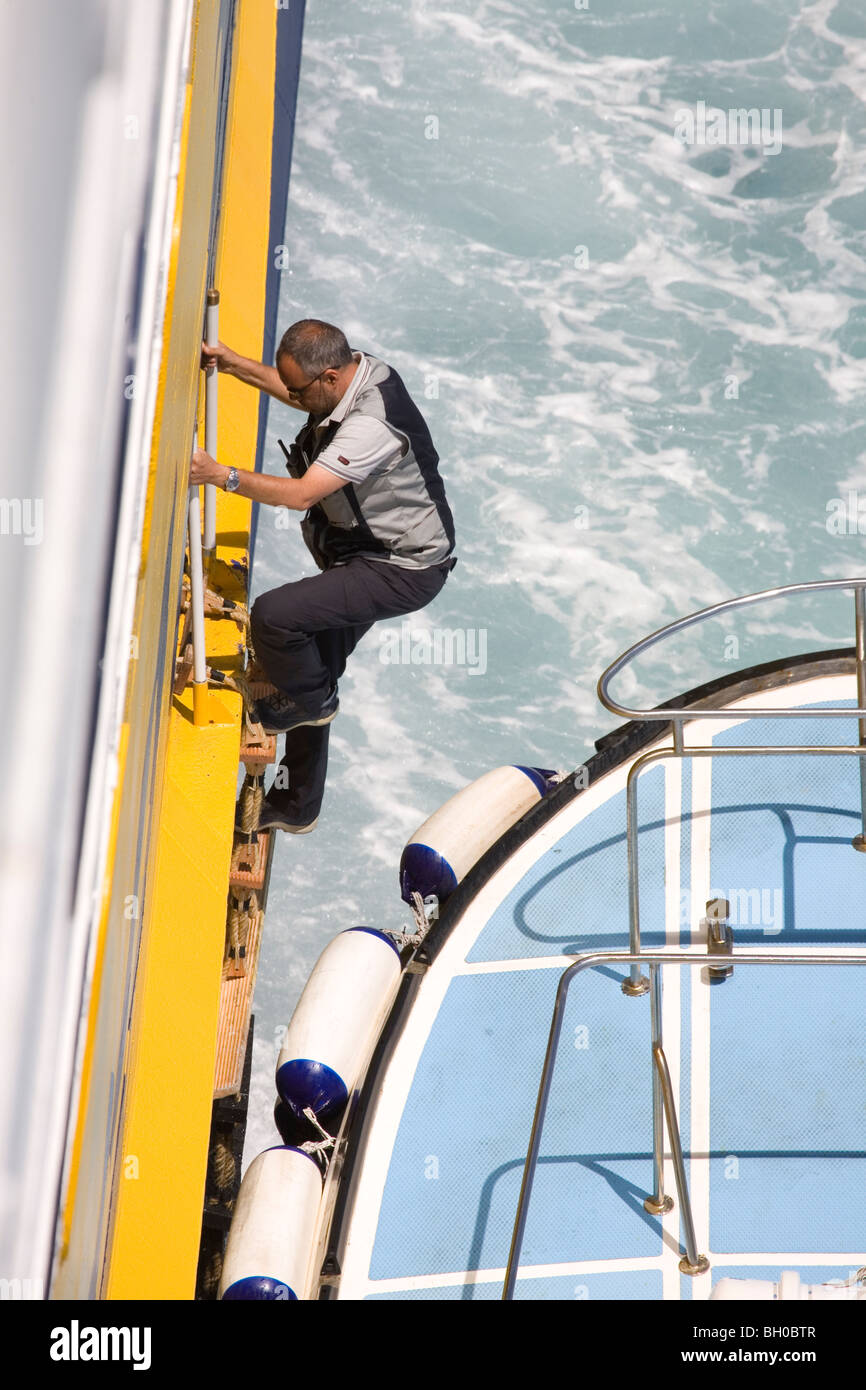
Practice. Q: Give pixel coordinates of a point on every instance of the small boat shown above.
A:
(619, 1056)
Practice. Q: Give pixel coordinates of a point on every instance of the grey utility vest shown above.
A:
(398, 515)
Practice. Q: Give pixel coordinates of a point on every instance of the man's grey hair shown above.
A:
(315, 346)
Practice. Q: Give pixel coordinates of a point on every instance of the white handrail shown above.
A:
(196, 608)
(210, 423)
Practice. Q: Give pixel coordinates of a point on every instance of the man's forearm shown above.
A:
(298, 494)
(262, 487)
(261, 376)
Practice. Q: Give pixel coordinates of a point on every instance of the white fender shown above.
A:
(273, 1228)
(443, 850)
(337, 1020)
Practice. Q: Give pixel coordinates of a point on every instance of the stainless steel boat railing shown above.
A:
(692, 1261)
(663, 1102)
(637, 983)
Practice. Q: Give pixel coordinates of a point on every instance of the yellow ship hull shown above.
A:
(130, 1211)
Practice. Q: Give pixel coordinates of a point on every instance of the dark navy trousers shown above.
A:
(303, 634)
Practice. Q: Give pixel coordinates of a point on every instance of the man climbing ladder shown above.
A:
(365, 472)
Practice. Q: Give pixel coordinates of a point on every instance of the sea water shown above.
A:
(615, 250)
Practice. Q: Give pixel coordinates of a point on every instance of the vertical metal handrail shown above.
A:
(210, 424)
(658, 1202)
(196, 608)
(203, 549)
(652, 958)
(691, 1262)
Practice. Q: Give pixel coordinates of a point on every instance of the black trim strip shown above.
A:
(290, 26)
(403, 415)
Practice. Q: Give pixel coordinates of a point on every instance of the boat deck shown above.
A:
(768, 1066)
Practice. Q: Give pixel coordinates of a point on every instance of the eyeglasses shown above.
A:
(302, 390)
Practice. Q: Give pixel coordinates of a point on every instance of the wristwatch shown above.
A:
(233, 481)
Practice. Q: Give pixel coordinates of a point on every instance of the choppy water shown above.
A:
(642, 361)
